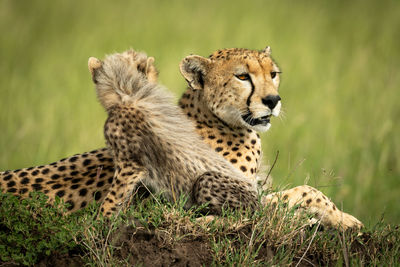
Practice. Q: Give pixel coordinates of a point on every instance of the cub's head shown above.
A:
(126, 62)
(240, 86)
(120, 74)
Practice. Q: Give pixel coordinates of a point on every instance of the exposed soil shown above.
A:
(144, 248)
(58, 260)
(64, 260)
(148, 248)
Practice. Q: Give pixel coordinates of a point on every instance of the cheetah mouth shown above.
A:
(264, 121)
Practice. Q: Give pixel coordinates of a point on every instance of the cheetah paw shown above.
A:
(348, 221)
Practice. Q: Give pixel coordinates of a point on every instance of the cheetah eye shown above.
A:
(243, 77)
(273, 74)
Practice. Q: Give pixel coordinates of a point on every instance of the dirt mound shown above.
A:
(152, 248)
(137, 246)
(63, 260)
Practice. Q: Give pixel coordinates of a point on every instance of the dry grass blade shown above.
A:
(309, 245)
(294, 169)
(272, 167)
(172, 188)
(344, 246)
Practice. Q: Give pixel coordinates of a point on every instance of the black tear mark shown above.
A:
(251, 93)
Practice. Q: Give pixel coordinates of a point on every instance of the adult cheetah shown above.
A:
(231, 95)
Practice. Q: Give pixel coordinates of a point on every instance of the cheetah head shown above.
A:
(116, 72)
(129, 59)
(240, 86)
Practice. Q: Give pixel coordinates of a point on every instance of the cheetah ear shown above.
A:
(267, 51)
(151, 71)
(194, 68)
(93, 64)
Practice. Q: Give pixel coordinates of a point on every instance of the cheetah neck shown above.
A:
(239, 145)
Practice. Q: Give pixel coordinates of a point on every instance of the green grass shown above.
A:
(153, 232)
(30, 228)
(340, 63)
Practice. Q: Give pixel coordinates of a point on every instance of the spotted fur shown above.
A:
(141, 131)
(226, 113)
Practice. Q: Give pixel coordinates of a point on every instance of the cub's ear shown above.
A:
(151, 71)
(267, 50)
(93, 64)
(193, 68)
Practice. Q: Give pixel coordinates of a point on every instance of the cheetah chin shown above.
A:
(260, 124)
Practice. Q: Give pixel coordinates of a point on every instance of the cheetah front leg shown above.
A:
(315, 202)
(126, 177)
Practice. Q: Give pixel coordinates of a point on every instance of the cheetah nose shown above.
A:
(271, 101)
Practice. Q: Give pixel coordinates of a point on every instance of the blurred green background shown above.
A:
(341, 74)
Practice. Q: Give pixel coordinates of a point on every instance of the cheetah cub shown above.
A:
(154, 143)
